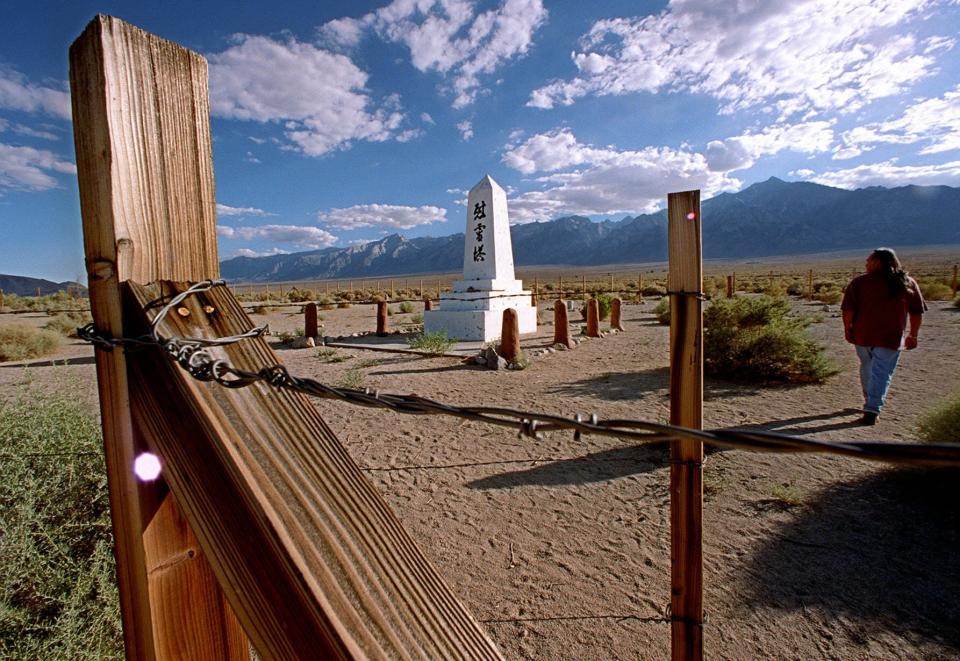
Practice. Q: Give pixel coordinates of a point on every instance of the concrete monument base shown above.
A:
(479, 318)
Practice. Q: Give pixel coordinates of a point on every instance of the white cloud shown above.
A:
(426, 118)
(319, 96)
(30, 132)
(408, 135)
(612, 181)
(890, 175)
(743, 151)
(26, 168)
(382, 215)
(446, 36)
(302, 236)
(933, 121)
(466, 129)
(794, 57)
(247, 252)
(803, 173)
(16, 93)
(224, 210)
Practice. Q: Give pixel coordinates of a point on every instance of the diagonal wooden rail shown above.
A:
(267, 516)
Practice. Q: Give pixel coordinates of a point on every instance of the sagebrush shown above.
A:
(20, 341)
(755, 339)
(942, 423)
(58, 595)
(437, 342)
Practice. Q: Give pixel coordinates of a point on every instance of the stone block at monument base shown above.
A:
(474, 309)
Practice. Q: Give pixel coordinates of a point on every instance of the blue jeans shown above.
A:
(876, 370)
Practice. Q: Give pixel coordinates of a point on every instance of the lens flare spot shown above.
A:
(147, 467)
(691, 216)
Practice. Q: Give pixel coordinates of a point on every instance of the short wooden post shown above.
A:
(583, 286)
(729, 286)
(615, 319)
(420, 291)
(684, 284)
(611, 283)
(954, 284)
(439, 291)
(593, 318)
(338, 286)
(382, 326)
(427, 304)
(561, 326)
(560, 286)
(510, 335)
(810, 285)
(639, 288)
(1, 298)
(536, 293)
(310, 325)
(392, 294)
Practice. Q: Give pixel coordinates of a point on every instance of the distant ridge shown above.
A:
(22, 285)
(773, 217)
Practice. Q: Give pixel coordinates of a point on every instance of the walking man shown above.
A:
(877, 307)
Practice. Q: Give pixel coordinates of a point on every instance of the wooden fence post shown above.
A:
(611, 283)
(145, 175)
(561, 325)
(420, 291)
(510, 335)
(310, 325)
(684, 285)
(810, 285)
(729, 286)
(593, 318)
(616, 322)
(583, 286)
(560, 285)
(382, 328)
(954, 284)
(1, 298)
(427, 304)
(438, 289)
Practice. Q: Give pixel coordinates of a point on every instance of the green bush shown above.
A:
(604, 303)
(829, 295)
(437, 342)
(662, 311)
(753, 339)
(406, 307)
(942, 423)
(58, 595)
(20, 341)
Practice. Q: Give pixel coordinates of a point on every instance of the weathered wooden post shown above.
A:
(439, 291)
(954, 284)
(560, 286)
(392, 293)
(1, 298)
(382, 327)
(615, 319)
(561, 326)
(510, 335)
(684, 285)
(810, 285)
(611, 283)
(593, 318)
(729, 286)
(420, 291)
(145, 173)
(427, 304)
(583, 286)
(310, 325)
(535, 297)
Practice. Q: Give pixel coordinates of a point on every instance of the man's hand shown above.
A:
(848, 334)
(910, 342)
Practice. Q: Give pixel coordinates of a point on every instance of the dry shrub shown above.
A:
(66, 323)
(662, 311)
(754, 339)
(604, 303)
(830, 295)
(58, 595)
(20, 341)
(942, 423)
(934, 290)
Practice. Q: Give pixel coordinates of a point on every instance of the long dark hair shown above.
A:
(891, 269)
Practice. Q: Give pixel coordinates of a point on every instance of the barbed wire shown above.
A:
(192, 355)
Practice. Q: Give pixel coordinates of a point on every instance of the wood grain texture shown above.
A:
(311, 558)
(686, 409)
(145, 173)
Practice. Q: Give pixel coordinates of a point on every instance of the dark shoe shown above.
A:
(869, 418)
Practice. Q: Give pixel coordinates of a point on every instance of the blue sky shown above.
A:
(336, 123)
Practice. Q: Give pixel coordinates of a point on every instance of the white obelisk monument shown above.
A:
(474, 309)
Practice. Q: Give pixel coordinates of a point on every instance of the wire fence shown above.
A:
(192, 354)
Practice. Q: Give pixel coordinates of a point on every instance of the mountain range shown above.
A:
(769, 218)
(22, 285)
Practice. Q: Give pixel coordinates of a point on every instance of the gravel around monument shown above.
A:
(561, 547)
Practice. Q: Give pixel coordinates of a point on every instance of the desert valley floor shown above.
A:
(561, 546)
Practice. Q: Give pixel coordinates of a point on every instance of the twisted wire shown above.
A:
(193, 356)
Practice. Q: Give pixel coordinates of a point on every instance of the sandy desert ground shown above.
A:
(561, 547)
